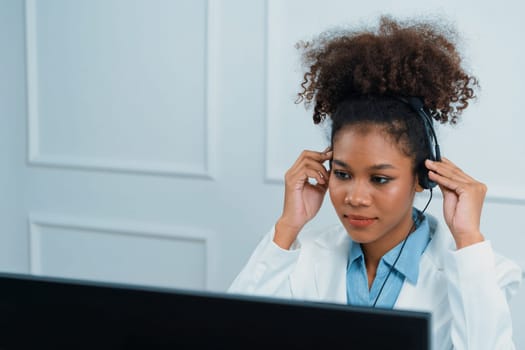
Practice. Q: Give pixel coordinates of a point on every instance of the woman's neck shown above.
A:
(374, 251)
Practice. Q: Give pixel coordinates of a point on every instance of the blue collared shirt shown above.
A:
(407, 267)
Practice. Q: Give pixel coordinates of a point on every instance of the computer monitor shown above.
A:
(40, 312)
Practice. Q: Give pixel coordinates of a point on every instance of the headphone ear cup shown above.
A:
(423, 179)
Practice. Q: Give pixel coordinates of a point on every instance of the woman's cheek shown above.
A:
(336, 192)
(396, 193)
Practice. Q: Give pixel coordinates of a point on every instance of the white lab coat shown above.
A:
(466, 290)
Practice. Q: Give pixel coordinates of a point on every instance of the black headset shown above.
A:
(417, 105)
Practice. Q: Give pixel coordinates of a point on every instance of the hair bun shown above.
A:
(412, 58)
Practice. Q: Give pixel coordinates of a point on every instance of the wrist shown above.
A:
(285, 234)
(465, 240)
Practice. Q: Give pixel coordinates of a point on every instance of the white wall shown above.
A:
(13, 238)
(145, 141)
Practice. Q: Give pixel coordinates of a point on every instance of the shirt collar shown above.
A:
(355, 252)
(417, 241)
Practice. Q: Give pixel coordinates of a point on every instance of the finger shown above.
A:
(473, 187)
(445, 182)
(307, 163)
(457, 170)
(451, 165)
(317, 166)
(449, 170)
(321, 188)
(309, 159)
(302, 174)
(319, 157)
(317, 175)
(319, 172)
(445, 167)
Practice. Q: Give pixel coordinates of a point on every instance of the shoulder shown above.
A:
(442, 249)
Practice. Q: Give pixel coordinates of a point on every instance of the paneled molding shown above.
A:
(205, 170)
(272, 174)
(123, 228)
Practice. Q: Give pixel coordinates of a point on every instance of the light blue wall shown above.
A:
(13, 237)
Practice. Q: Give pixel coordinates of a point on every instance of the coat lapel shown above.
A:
(428, 291)
(321, 269)
(330, 265)
(330, 275)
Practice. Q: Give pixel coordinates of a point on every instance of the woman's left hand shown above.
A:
(463, 199)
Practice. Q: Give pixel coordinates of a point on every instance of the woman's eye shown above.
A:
(380, 180)
(341, 175)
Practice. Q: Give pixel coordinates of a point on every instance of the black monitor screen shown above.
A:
(38, 312)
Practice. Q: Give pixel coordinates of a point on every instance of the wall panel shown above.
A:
(105, 77)
(125, 251)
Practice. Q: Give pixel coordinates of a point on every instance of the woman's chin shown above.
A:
(360, 236)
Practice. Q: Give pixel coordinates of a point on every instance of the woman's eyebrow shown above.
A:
(381, 166)
(340, 163)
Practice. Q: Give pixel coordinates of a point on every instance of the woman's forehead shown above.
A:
(370, 144)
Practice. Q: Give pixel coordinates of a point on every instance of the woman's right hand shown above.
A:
(302, 200)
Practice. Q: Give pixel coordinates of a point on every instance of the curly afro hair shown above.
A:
(397, 59)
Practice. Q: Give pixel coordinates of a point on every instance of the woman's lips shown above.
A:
(359, 221)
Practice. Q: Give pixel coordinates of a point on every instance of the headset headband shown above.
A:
(417, 105)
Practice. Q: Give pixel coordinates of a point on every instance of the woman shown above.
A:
(380, 90)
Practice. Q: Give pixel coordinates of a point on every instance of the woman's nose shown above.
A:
(357, 195)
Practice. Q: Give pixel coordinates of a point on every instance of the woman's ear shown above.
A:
(418, 188)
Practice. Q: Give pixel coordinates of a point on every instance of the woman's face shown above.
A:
(372, 185)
